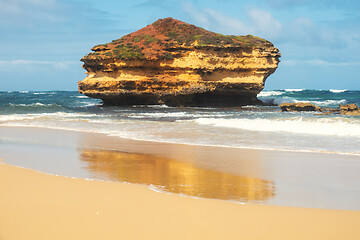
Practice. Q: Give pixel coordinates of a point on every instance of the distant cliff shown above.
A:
(178, 64)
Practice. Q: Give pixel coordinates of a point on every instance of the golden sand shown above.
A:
(38, 206)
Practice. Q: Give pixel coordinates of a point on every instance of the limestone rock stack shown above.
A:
(178, 64)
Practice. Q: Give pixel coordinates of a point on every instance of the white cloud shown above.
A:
(199, 16)
(264, 22)
(54, 15)
(319, 62)
(28, 11)
(28, 63)
(257, 21)
(232, 25)
(299, 31)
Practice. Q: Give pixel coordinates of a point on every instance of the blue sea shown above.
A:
(258, 127)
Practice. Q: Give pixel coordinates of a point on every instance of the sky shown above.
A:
(42, 41)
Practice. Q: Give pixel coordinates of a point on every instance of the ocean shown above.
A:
(257, 127)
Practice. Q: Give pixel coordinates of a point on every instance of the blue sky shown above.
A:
(42, 41)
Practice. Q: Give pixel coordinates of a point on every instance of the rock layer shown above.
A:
(178, 64)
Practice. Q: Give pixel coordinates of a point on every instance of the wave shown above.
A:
(330, 127)
(85, 105)
(159, 106)
(151, 138)
(269, 93)
(81, 96)
(33, 105)
(7, 118)
(175, 115)
(56, 115)
(325, 102)
(294, 90)
(337, 91)
(42, 93)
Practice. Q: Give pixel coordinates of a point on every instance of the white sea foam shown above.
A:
(337, 91)
(82, 97)
(89, 105)
(294, 90)
(269, 93)
(125, 129)
(297, 125)
(15, 117)
(174, 115)
(158, 106)
(159, 115)
(42, 93)
(38, 104)
(325, 102)
(49, 116)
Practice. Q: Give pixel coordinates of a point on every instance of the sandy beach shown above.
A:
(179, 120)
(38, 206)
(282, 178)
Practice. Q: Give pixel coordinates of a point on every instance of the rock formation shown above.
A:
(346, 109)
(299, 107)
(350, 109)
(178, 64)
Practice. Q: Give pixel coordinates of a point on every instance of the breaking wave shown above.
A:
(337, 91)
(325, 102)
(33, 105)
(329, 127)
(294, 90)
(269, 93)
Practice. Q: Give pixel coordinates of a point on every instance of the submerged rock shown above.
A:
(350, 109)
(178, 64)
(346, 109)
(299, 107)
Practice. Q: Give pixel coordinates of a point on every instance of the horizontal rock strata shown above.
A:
(174, 63)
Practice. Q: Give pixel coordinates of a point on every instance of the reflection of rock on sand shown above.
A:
(176, 176)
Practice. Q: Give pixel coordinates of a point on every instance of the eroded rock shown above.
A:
(178, 64)
(350, 109)
(299, 107)
(346, 109)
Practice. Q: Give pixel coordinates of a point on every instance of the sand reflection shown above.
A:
(176, 176)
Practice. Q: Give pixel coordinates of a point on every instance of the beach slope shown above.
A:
(38, 206)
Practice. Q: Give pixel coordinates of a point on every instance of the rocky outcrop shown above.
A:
(299, 107)
(347, 109)
(178, 64)
(350, 109)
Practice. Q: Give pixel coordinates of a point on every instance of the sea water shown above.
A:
(295, 176)
(258, 127)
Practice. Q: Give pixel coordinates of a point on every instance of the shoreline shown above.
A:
(244, 175)
(186, 144)
(56, 207)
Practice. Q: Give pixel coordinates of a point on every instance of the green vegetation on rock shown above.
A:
(128, 52)
(147, 39)
(166, 35)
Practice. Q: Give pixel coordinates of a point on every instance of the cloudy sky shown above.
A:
(42, 41)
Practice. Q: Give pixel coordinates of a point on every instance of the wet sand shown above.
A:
(312, 180)
(35, 205)
(38, 206)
